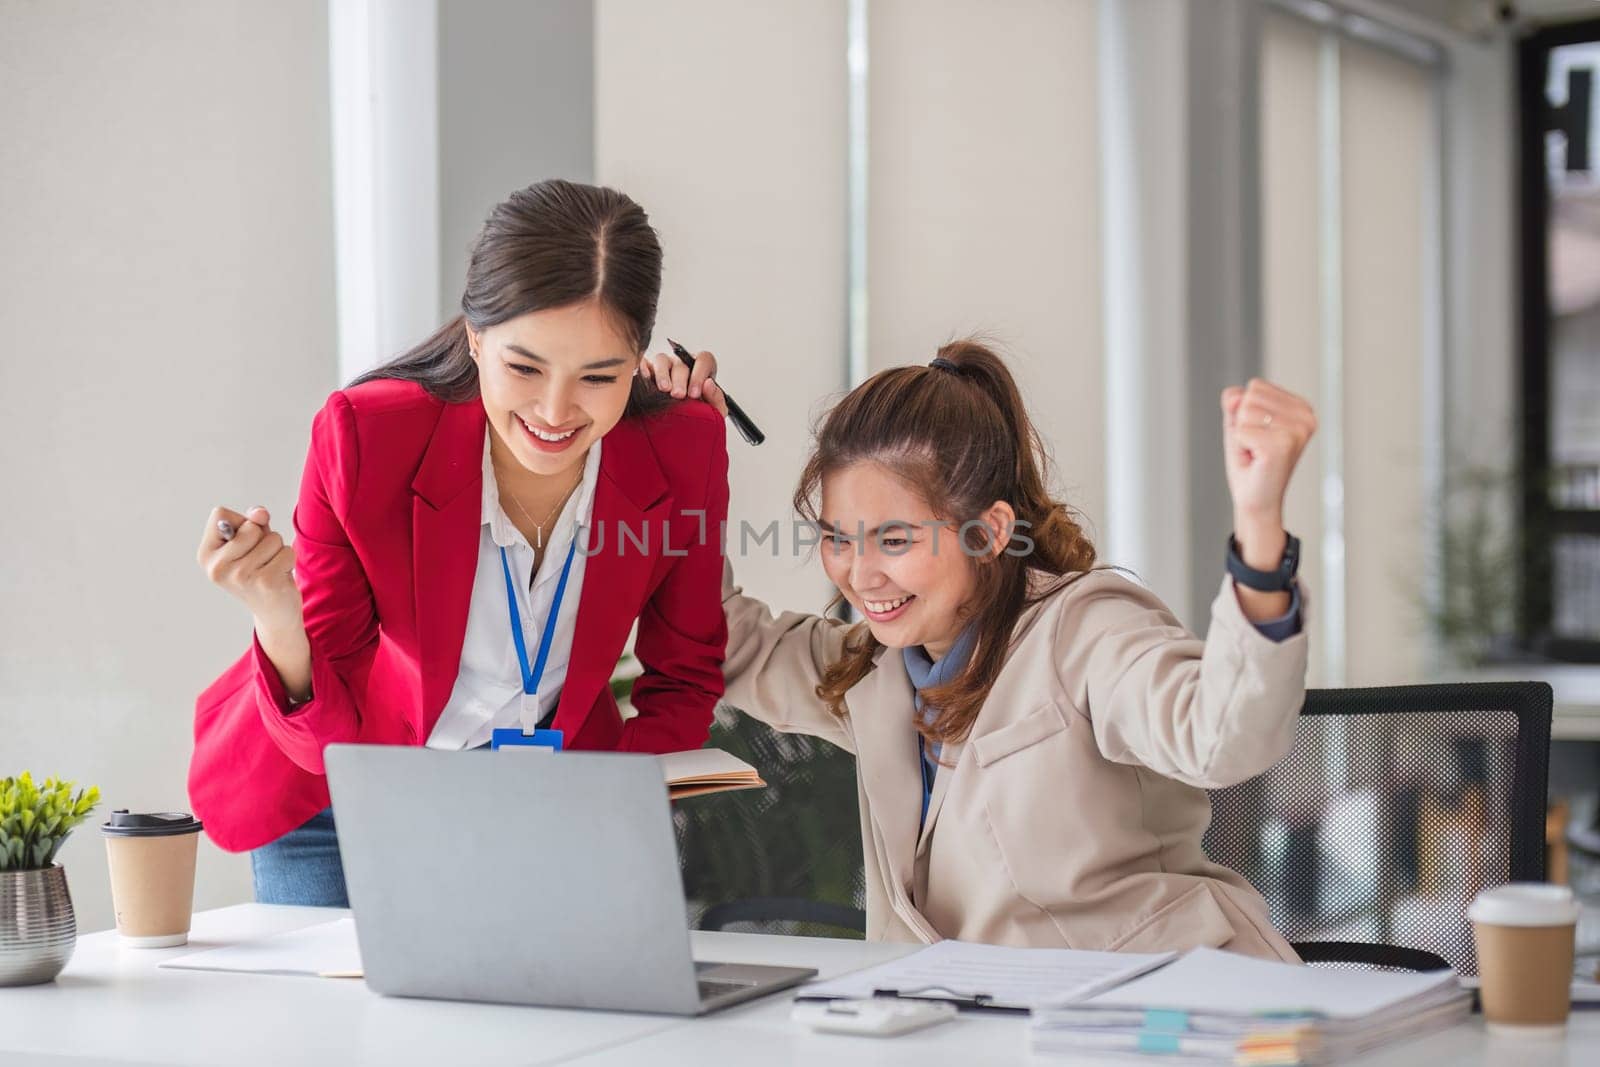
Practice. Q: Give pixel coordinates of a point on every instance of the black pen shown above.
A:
(747, 428)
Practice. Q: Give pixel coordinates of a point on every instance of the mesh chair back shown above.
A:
(753, 859)
(1392, 810)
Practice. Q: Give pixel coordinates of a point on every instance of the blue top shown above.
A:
(925, 673)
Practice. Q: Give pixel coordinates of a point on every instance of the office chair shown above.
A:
(785, 859)
(1394, 807)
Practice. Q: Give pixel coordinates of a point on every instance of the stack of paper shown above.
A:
(1221, 1006)
(707, 770)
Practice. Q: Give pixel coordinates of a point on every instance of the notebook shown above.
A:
(707, 770)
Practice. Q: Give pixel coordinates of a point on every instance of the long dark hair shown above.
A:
(551, 245)
(960, 435)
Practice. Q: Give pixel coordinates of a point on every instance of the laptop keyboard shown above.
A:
(715, 987)
(710, 988)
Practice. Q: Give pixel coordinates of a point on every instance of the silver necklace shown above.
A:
(538, 527)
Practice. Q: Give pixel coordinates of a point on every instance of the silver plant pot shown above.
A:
(37, 926)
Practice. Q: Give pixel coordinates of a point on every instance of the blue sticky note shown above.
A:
(1166, 1021)
(1158, 1043)
(551, 739)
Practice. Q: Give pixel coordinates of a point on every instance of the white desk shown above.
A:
(113, 1005)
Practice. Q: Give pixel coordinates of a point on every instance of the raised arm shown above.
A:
(1217, 712)
(1210, 713)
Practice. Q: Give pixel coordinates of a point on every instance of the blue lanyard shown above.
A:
(530, 678)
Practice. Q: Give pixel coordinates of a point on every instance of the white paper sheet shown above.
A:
(1009, 977)
(326, 950)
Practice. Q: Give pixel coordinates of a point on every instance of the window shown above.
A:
(1560, 462)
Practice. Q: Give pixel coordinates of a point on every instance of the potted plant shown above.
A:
(1474, 618)
(37, 926)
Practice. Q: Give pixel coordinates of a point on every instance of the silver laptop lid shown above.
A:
(525, 878)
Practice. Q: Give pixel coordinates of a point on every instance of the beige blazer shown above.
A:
(1072, 815)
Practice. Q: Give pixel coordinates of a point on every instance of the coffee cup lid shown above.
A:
(155, 824)
(1524, 904)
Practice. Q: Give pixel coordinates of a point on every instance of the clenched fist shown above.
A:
(1265, 428)
(255, 565)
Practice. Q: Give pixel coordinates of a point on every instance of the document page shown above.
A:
(327, 950)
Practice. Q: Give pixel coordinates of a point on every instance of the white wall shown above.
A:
(166, 282)
(985, 206)
(516, 106)
(726, 120)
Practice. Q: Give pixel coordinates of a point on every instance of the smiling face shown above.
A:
(910, 579)
(553, 383)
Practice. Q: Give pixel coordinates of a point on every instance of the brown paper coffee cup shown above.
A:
(1524, 934)
(152, 876)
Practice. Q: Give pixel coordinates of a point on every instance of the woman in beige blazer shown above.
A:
(1034, 735)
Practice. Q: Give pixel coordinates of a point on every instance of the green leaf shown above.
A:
(35, 819)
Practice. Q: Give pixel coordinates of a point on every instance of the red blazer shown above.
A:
(386, 545)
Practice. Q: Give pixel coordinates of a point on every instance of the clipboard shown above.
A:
(990, 978)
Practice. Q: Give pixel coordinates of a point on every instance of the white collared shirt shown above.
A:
(488, 690)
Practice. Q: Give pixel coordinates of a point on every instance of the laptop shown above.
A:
(548, 879)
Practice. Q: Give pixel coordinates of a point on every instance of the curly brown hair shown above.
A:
(958, 432)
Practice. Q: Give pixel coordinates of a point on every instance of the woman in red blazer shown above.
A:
(387, 621)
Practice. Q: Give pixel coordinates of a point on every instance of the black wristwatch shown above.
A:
(1275, 581)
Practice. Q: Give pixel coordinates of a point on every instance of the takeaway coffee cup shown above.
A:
(152, 875)
(1524, 932)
